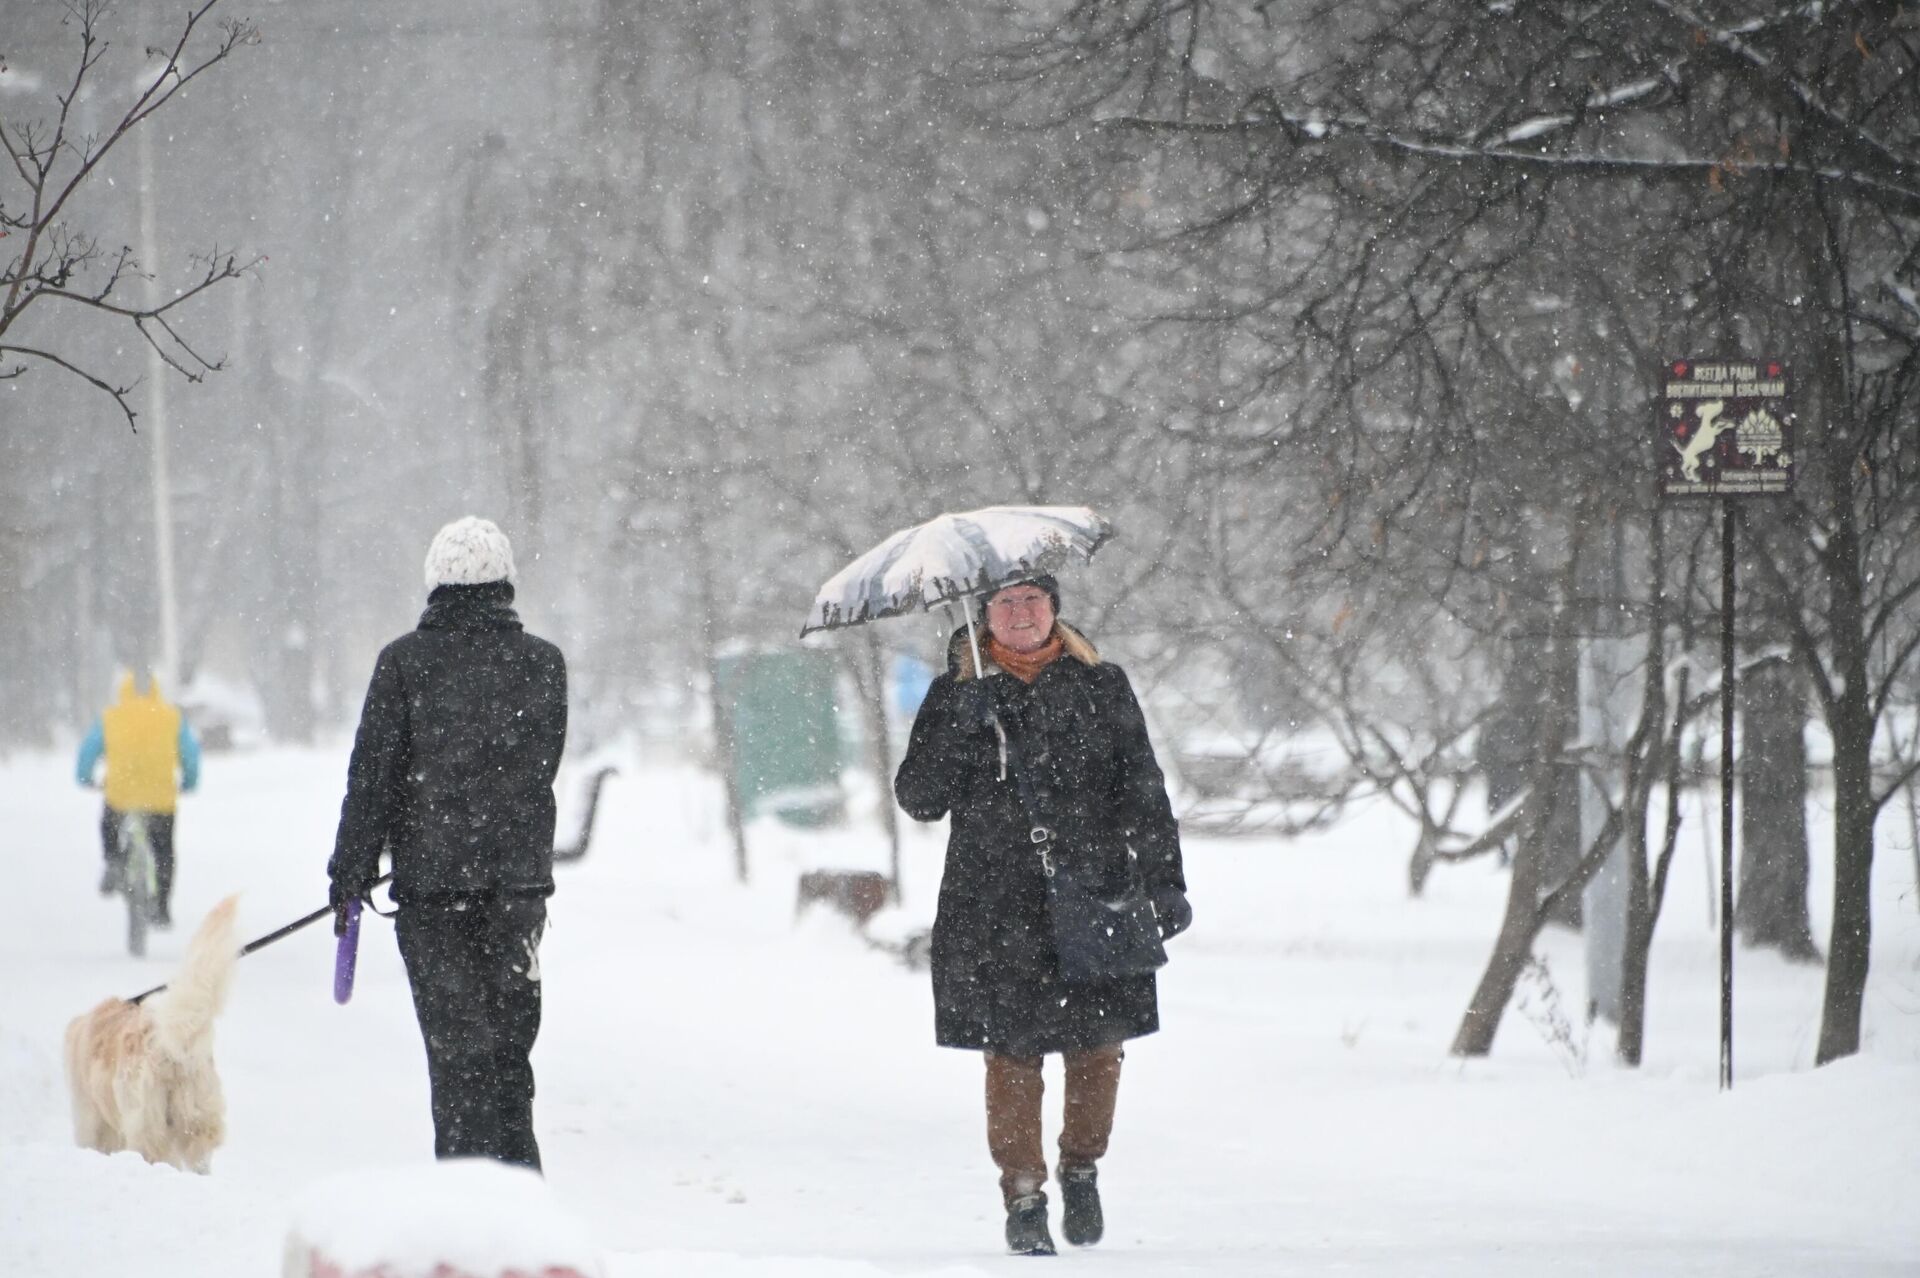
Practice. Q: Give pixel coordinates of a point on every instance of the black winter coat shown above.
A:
(453, 765)
(996, 977)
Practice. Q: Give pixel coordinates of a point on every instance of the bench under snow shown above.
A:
(464, 1218)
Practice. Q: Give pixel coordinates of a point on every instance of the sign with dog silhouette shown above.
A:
(1724, 429)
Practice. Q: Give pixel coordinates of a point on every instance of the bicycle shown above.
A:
(136, 876)
(139, 880)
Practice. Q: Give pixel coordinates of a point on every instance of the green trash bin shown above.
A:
(787, 749)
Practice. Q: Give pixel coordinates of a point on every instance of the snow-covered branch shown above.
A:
(1315, 129)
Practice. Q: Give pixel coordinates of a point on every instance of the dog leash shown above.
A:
(278, 934)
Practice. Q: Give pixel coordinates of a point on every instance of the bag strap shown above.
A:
(1039, 833)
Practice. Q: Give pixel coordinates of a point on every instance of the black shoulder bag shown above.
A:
(1097, 938)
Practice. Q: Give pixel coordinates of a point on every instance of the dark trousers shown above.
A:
(1013, 1115)
(159, 834)
(475, 971)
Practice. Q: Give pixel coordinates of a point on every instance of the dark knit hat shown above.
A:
(1044, 580)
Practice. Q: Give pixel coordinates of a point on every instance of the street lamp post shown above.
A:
(167, 664)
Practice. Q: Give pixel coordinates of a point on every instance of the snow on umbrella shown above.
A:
(952, 556)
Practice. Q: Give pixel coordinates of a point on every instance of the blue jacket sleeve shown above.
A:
(91, 748)
(189, 746)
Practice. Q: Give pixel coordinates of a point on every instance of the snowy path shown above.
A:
(724, 1092)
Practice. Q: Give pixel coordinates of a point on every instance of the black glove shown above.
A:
(1172, 912)
(973, 705)
(340, 896)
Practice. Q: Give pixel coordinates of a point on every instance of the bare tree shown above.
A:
(59, 268)
(1413, 190)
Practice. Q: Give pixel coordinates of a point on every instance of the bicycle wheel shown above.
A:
(138, 881)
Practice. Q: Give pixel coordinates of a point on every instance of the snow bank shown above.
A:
(73, 1213)
(465, 1218)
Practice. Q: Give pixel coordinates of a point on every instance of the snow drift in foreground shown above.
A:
(471, 1216)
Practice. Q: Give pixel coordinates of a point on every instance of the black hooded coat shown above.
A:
(453, 764)
(996, 974)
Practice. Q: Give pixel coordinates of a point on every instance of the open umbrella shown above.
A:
(952, 556)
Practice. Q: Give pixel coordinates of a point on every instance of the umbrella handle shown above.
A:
(974, 640)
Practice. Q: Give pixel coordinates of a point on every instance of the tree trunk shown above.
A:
(1532, 879)
(1774, 864)
(1644, 892)
(1511, 950)
(718, 702)
(1848, 946)
(1541, 687)
(1560, 839)
(1913, 829)
(287, 631)
(870, 677)
(1850, 721)
(697, 508)
(1631, 1041)
(1649, 887)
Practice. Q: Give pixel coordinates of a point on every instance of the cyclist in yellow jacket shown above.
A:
(145, 741)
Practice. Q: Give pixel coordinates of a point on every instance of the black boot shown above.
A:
(109, 879)
(1027, 1233)
(1080, 1216)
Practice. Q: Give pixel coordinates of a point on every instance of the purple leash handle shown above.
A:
(345, 953)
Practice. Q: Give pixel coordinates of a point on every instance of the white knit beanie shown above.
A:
(468, 552)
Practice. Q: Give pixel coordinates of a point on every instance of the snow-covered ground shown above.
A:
(725, 1090)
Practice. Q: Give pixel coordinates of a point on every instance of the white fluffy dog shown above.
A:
(142, 1074)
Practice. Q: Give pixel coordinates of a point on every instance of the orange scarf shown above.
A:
(1026, 666)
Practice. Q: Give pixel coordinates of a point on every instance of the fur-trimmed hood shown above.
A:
(960, 652)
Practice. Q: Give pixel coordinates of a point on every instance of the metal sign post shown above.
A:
(1724, 431)
(1726, 793)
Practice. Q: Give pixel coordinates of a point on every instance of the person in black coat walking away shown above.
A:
(1045, 702)
(452, 777)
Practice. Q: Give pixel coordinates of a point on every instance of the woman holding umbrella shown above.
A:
(1039, 751)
